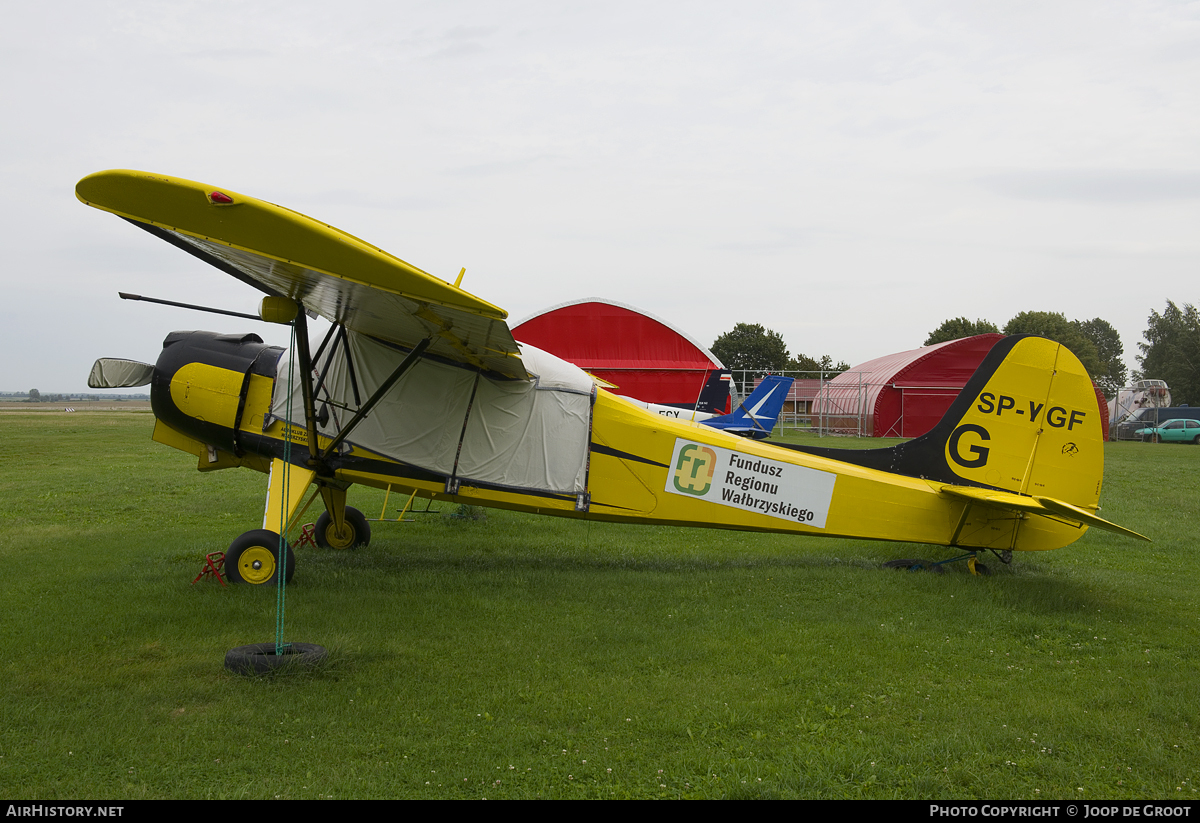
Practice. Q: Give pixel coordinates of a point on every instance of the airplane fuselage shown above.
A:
(212, 397)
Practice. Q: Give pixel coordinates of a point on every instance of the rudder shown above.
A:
(1033, 427)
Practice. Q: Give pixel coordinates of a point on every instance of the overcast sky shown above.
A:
(849, 174)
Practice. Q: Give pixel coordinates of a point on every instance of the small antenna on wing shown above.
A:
(460, 276)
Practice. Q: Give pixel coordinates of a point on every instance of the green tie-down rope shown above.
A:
(281, 560)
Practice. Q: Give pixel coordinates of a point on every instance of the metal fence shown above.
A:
(1137, 406)
(815, 403)
(819, 404)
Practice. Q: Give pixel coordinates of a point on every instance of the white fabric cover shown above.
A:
(522, 434)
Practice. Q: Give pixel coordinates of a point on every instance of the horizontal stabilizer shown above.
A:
(1084, 516)
(112, 373)
(1045, 506)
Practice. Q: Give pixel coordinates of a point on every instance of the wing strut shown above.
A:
(339, 341)
(408, 362)
(306, 387)
(308, 390)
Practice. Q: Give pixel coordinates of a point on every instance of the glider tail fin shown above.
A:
(757, 415)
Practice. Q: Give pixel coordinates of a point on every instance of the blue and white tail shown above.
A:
(757, 415)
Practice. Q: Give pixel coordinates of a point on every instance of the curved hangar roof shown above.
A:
(905, 394)
(644, 356)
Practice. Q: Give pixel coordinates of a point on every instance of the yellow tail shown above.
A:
(1028, 422)
(1024, 437)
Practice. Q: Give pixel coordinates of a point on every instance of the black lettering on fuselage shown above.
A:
(989, 403)
(980, 453)
(1056, 416)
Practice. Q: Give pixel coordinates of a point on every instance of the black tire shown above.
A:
(1196, 440)
(254, 558)
(360, 530)
(260, 658)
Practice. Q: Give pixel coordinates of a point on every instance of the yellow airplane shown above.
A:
(419, 387)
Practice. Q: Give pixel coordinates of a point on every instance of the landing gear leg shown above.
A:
(355, 530)
(283, 503)
(341, 526)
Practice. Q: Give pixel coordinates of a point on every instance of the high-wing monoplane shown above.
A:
(419, 386)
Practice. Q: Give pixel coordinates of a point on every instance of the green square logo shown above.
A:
(694, 469)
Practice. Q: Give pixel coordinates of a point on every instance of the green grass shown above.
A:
(518, 656)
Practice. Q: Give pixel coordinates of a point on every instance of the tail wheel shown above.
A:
(254, 558)
(978, 568)
(355, 531)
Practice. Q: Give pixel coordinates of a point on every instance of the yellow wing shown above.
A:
(332, 273)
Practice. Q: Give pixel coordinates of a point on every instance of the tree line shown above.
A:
(1171, 350)
(1095, 342)
(751, 347)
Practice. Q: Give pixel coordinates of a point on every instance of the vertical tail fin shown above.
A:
(757, 415)
(1033, 427)
(714, 396)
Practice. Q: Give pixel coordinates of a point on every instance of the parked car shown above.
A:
(1130, 428)
(1173, 431)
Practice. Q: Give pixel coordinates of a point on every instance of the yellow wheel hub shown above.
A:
(257, 565)
(339, 540)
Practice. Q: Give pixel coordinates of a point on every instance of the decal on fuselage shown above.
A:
(756, 484)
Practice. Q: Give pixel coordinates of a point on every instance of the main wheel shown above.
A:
(356, 531)
(254, 558)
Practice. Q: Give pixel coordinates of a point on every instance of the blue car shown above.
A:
(1172, 431)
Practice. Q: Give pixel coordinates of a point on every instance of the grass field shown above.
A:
(519, 657)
